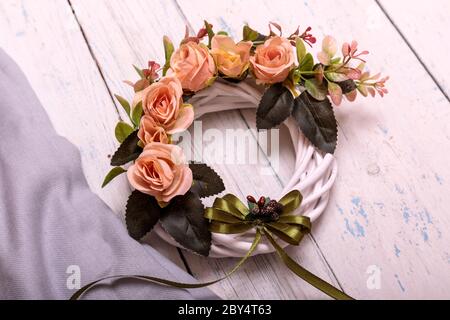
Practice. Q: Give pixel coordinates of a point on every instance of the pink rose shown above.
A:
(163, 101)
(272, 60)
(193, 65)
(231, 59)
(161, 172)
(150, 131)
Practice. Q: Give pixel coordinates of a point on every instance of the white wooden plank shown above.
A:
(125, 32)
(425, 26)
(46, 41)
(49, 47)
(388, 208)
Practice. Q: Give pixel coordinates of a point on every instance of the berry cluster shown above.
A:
(265, 209)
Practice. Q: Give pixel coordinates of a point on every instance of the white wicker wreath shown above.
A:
(314, 173)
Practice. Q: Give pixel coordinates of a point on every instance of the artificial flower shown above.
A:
(150, 131)
(272, 60)
(231, 59)
(161, 171)
(163, 101)
(193, 65)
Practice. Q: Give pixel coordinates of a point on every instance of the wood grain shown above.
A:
(118, 40)
(46, 41)
(424, 25)
(388, 207)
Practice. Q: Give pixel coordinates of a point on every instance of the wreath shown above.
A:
(278, 77)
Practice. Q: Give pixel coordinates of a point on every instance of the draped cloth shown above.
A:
(51, 220)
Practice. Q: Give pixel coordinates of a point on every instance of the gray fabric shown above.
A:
(49, 219)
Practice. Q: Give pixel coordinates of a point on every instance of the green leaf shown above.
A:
(168, 51)
(139, 72)
(275, 106)
(206, 181)
(248, 34)
(122, 131)
(136, 114)
(301, 49)
(183, 219)
(210, 32)
(222, 33)
(142, 213)
(307, 63)
(112, 174)
(319, 92)
(347, 86)
(336, 77)
(317, 121)
(128, 150)
(124, 103)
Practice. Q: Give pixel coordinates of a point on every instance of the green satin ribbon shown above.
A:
(229, 215)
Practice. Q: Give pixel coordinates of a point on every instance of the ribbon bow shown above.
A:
(229, 215)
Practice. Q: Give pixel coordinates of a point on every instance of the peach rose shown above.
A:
(163, 101)
(161, 172)
(272, 60)
(231, 58)
(150, 131)
(193, 65)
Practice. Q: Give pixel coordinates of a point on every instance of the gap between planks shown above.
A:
(410, 46)
(311, 236)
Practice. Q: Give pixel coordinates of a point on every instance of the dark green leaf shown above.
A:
(347, 86)
(275, 106)
(317, 121)
(319, 92)
(307, 63)
(112, 174)
(124, 103)
(136, 114)
(183, 219)
(122, 131)
(128, 150)
(142, 213)
(206, 181)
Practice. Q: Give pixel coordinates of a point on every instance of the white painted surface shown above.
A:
(389, 207)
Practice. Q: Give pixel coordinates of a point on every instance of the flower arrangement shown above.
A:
(168, 190)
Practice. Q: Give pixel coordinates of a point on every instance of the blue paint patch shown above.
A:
(360, 232)
(341, 211)
(425, 234)
(399, 283)
(360, 209)
(439, 179)
(406, 214)
(356, 230)
(20, 34)
(348, 227)
(356, 201)
(399, 190)
(397, 251)
(383, 129)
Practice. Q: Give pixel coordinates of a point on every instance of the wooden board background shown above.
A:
(389, 206)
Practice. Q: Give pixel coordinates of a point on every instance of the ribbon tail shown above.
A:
(77, 295)
(304, 274)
